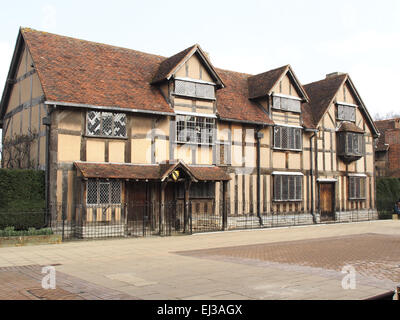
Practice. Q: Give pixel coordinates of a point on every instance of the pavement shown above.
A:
(281, 263)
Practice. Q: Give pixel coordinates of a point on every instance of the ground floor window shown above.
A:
(288, 188)
(356, 188)
(103, 191)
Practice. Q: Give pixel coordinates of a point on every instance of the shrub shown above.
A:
(11, 232)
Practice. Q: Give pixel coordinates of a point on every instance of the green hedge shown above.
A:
(22, 198)
(387, 194)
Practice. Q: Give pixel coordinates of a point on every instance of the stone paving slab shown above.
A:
(167, 275)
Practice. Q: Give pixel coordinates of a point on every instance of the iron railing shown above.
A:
(142, 219)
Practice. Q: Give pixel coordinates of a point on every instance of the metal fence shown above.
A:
(174, 218)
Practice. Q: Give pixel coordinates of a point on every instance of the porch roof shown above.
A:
(145, 172)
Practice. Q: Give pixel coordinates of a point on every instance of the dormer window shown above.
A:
(346, 112)
(286, 103)
(195, 88)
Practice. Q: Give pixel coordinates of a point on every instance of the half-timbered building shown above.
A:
(125, 136)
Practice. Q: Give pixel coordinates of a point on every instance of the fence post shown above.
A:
(63, 221)
(190, 218)
(224, 206)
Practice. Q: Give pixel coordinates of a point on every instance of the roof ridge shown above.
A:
(327, 79)
(89, 41)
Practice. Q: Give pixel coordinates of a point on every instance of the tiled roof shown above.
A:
(349, 127)
(142, 172)
(261, 84)
(118, 171)
(321, 94)
(233, 102)
(84, 72)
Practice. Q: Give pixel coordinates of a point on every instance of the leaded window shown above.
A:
(286, 104)
(356, 188)
(107, 124)
(287, 138)
(288, 187)
(351, 144)
(193, 129)
(103, 191)
(346, 113)
(194, 89)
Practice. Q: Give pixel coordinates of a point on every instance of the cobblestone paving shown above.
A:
(24, 283)
(372, 255)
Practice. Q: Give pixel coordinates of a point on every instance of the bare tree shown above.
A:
(16, 151)
(388, 115)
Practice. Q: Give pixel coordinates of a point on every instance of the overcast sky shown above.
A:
(361, 38)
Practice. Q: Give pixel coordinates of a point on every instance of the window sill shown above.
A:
(290, 201)
(195, 143)
(292, 150)
(105, 137)
(192, 97)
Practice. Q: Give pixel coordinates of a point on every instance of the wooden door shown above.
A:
(137, 201)
(326, 194)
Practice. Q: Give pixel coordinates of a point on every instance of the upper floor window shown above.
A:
(356, 188)
(106, 124)
(288, 187)
(103, 192)
(286, 103)
(194, 129)
(194, 89)
(351, 144)
(287, 138)
(346, 112)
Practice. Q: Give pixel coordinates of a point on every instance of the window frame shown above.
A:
(359, 183)
(113, 121)
(197, 85)
(193, 120)
(347, 137)
(289, 128)
(98, 183)
(345, 105)
(295, 185)
(285, 97)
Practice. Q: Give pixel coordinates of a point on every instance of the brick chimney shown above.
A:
(333, 74)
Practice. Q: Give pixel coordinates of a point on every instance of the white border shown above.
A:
(286, 173)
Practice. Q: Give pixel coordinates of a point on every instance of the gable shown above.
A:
(345, 94)
(194, 68)
(20, 107)
(287, 86)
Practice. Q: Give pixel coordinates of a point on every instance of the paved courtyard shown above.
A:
(285, 263)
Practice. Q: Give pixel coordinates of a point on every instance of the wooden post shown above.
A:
(224, 205)
(186, 208)
(162, 207)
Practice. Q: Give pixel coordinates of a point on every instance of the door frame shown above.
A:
(333, 184)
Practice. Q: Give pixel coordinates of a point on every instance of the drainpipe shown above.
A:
(312, 176)
(46, 121)
(259, 135)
